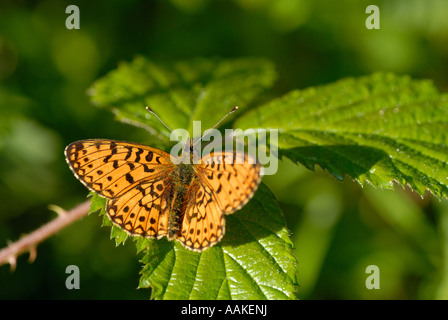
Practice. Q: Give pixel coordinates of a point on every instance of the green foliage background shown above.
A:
(338, 228)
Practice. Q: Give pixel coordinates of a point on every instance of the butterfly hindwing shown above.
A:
(203, 222)
(143, 210)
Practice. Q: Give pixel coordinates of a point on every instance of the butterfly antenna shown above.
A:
(206, 132)
(152, 112)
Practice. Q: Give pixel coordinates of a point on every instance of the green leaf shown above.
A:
(99, 204)
(181, 91)
(253, 261)
(377, 129)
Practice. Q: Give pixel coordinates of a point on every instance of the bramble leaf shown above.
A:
(377, 129)
(181, 92)
(253, 261)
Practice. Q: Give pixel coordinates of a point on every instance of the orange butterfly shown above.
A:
(148, 195)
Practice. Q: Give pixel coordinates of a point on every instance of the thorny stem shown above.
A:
(30, 241)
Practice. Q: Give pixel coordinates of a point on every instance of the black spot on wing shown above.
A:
(137, 155)
(147, 169)
(149, 156)
(128, 155)
(129, 178)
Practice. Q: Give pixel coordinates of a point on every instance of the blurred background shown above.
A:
(338, 228)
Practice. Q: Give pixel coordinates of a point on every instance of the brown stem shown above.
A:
(30, 241)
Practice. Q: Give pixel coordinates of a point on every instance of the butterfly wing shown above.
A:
(143, 210)
(135, 178)
(203, 221)
(111, 168)
(225, 183)
(234, 177)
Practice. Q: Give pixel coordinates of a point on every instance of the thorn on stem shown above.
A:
(12, 260)
(57, 209)
(33, 254)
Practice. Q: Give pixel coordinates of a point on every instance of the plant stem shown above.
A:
(30, 241)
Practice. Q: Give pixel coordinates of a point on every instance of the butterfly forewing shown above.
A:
(111, 168)
(234, 177)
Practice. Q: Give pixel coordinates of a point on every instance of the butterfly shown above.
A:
(149, 195)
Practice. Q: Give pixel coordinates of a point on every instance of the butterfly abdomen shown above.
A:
(182, 177)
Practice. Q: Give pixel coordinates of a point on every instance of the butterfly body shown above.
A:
(151, 196)
(182, 178)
